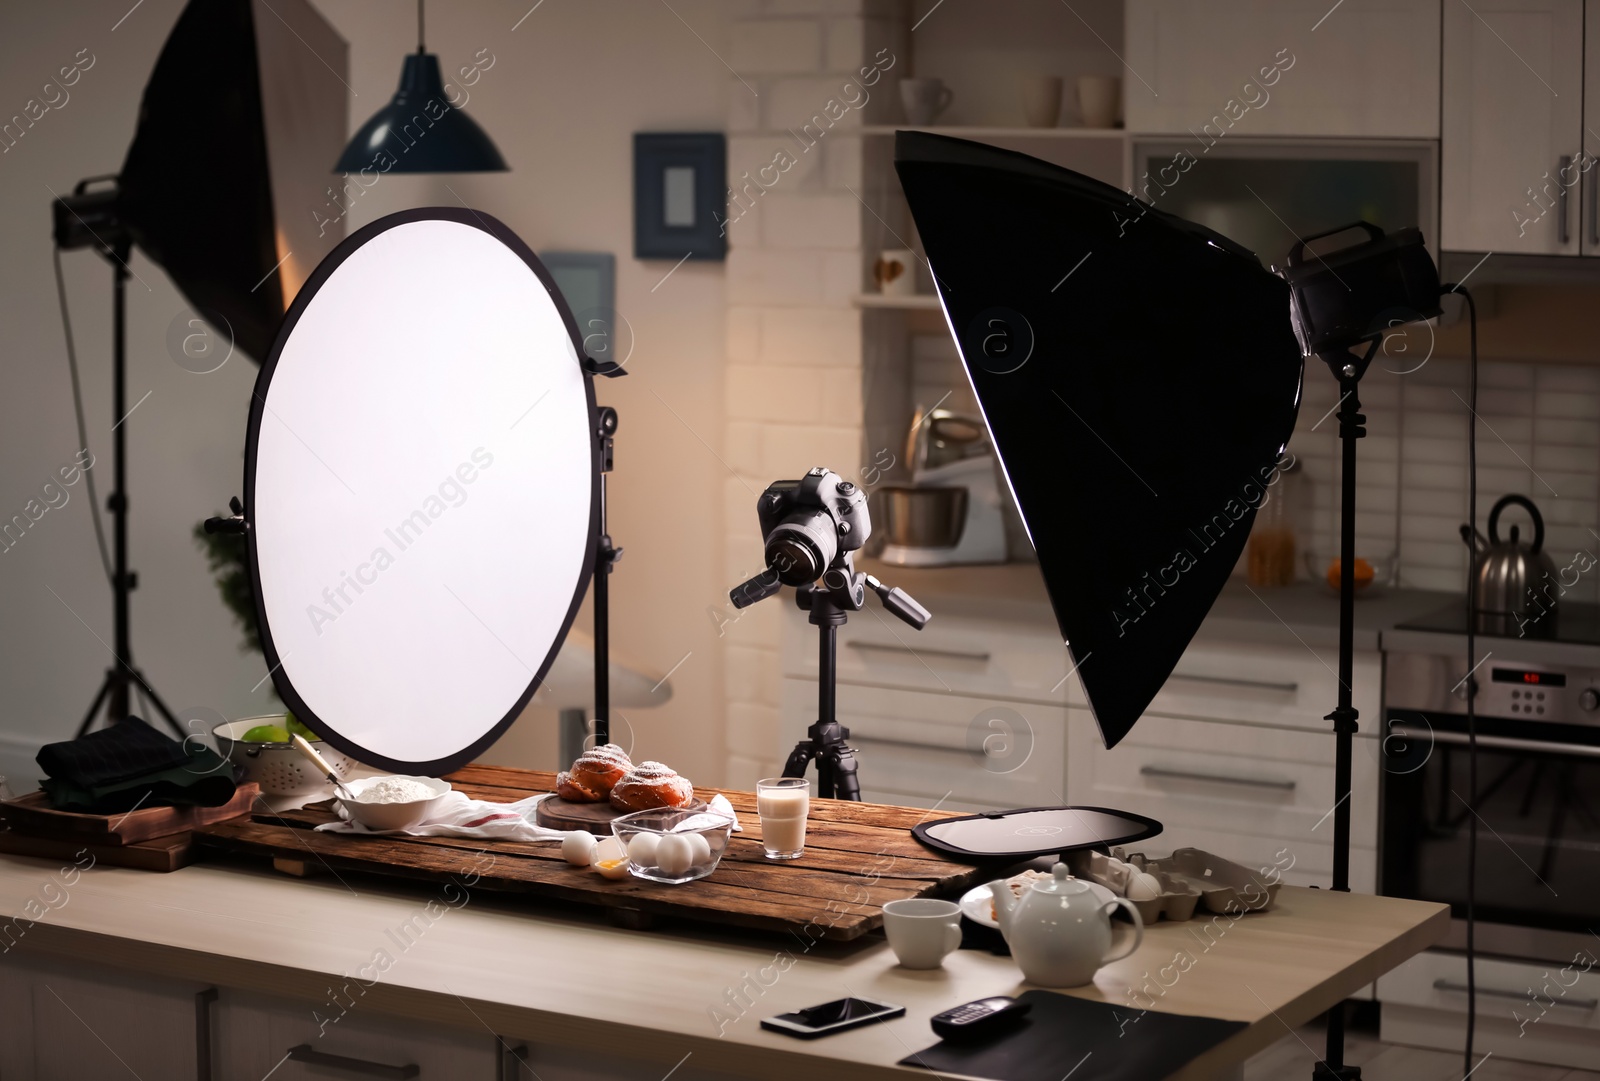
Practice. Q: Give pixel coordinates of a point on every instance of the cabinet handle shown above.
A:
(1594, 209)
(509, 1060)
(1222, 778)
(1562, 168)
(202, 1033)
(980, 657)
(1232, 681)
(359, 1066)
(1456, 988)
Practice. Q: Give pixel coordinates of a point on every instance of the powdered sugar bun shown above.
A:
(650, 785)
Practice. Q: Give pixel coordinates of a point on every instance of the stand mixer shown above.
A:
(951, 512)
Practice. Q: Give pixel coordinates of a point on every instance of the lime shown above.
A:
(297, 726)
(266, 733)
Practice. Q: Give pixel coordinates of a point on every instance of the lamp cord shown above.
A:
(420, 47)
(77, 407)
(1472, 694)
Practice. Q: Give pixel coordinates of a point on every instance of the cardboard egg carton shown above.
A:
(1190, 878)
(1176, 901)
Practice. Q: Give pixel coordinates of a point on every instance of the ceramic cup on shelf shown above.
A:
(1040, 96)
(896, 272)
(1100, 100)
(924, 100)
(922, 931)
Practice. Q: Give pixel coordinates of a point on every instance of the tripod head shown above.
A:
(812, 528)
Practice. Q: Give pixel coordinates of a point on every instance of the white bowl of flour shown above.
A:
(392, 802)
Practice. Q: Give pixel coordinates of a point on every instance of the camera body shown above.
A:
(809, 523)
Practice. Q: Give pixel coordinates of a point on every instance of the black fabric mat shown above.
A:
(975, 936)
(129, 748)
(1089, 1041)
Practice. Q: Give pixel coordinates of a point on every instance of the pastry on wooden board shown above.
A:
(594, 774)
(650, 785)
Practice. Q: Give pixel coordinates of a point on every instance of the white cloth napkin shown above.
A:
(457, 815)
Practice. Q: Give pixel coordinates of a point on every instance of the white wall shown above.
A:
(567, 90)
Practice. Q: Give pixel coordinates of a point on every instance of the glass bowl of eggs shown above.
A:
(673, 845)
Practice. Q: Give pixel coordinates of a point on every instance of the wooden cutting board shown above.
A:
(32, 814)
(859, 857)
(166, 853)
(559, 814)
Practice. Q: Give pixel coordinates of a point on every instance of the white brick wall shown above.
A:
(798, 251)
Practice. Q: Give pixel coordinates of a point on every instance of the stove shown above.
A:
(1538, 793)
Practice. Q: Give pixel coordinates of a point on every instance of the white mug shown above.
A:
(924, 100)
(1041, 99)
(896, 272)
(1100, 100)
(922, 931)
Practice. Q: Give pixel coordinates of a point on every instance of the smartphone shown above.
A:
(831, 1017)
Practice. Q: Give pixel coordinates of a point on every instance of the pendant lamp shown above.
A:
(420, 131)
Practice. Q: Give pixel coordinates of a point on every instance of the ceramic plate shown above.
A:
(975, 903)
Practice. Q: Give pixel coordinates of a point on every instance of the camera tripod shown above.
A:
(830, 604)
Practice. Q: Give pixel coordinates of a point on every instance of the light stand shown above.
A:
(1348, 368)
(606, 556)
(122, 677)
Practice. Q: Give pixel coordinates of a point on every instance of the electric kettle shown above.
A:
(1516, 581)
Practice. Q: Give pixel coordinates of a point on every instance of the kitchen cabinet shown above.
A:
(66, 1023)
(1515, 82)
(1234, 754)
(1361, 68)
(969, 713)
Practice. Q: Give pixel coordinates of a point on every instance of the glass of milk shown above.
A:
(782, 803)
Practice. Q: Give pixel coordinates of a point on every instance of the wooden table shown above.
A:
(501, 964)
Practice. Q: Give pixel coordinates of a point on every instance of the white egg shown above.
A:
(577, 847)
(611, 858)
(1143, 886)
(642, 848)
(674, 855)
(702, 849)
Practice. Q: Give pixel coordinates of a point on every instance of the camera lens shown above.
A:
(801, 547)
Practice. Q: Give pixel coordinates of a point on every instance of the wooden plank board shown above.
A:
(32, 814)
(858, 858)
(167, 853)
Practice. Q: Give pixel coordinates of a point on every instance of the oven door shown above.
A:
(1538, 854)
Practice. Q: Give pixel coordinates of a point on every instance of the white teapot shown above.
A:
(1058, 930)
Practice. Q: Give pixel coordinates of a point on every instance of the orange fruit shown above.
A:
(1364, 574)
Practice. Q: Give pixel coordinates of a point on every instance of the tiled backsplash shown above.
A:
(1538, 436)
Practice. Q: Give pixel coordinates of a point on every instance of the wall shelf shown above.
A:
(916, 302)
(982, 131)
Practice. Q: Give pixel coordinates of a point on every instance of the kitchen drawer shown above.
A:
(1284, 685)
(1529, 995)
(255, 1032)
(912, 743)
(961, 656)
(1232, 778)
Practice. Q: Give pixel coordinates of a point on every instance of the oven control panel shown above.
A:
(1515, 690)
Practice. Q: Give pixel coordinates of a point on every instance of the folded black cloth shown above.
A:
(1086, 1040)
(126, 749)
(976, 936)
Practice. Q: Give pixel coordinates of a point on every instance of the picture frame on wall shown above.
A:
(588, 281)
(680, 182)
